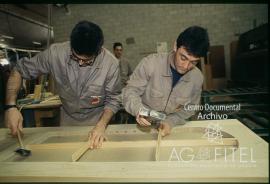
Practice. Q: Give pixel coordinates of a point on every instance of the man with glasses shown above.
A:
(86, 76)
(166, 82)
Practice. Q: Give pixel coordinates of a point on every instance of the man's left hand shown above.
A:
(165, 128)
(97, 136)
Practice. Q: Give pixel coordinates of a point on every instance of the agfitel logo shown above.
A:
(213, 133)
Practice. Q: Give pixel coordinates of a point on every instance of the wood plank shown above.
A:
(77, 154)
(129, 171)
(48, 104)
(37, 92)
(158, 144)
(217, 61)
(202, 67)
(207, 73)
(208, 76)
(135, 144)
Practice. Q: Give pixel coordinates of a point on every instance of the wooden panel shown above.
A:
(44, 113)
(207, 73)
(219, 83)
(233, 52)
(190, 137)
(208, 77)
(136, 144)
(124, 151)
(217, 61)
(129, 155)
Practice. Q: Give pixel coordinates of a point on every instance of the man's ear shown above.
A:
(174, 46)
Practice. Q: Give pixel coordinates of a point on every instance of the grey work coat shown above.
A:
(84, 91)
(150, 86)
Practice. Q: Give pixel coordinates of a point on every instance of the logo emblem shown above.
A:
(95, 100)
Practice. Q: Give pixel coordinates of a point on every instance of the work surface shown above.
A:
(200, 151)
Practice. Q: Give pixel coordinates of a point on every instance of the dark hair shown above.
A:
(116, 44)
(86, 38)
(195, 40)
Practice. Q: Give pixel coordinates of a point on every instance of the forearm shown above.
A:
(132, 101)
(132, 93)
(179, 118)
(13, 87)
(113, 102)
(105, 117)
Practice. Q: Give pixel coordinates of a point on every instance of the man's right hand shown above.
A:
(141, 120)
(14, 120)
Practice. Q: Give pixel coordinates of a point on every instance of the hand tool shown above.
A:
(152, 115)
(22, 151)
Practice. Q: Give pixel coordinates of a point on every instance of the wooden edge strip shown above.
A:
(77, 154)
(135, 144)
(158, 145)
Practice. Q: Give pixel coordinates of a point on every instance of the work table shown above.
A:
(199, 151)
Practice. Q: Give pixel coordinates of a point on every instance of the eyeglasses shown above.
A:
(83, 62)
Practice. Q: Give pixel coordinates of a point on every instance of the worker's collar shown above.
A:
(170, 62)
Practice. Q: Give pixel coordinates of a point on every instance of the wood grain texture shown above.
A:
(136, 144)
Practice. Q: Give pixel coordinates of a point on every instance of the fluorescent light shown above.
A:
(59, 5)
(2, 39)
(36, 43)
(7, 37)
(4, 62)
(3, 45)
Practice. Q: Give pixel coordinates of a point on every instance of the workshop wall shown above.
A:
(152, 23)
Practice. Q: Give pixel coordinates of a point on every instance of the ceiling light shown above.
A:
(4, 62)
(3, 45)
(36, 43)
(59, 5)
(7, 37)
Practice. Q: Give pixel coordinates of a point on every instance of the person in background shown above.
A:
(125, 69)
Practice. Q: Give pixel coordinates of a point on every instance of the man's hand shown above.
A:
(97, 136)
(165, 128)
(13, 120)
(142, 121)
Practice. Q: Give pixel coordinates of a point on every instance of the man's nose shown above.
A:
(81, 62)
(185, 65)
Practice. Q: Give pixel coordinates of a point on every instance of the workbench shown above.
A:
(188, 154)
(44, 109)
